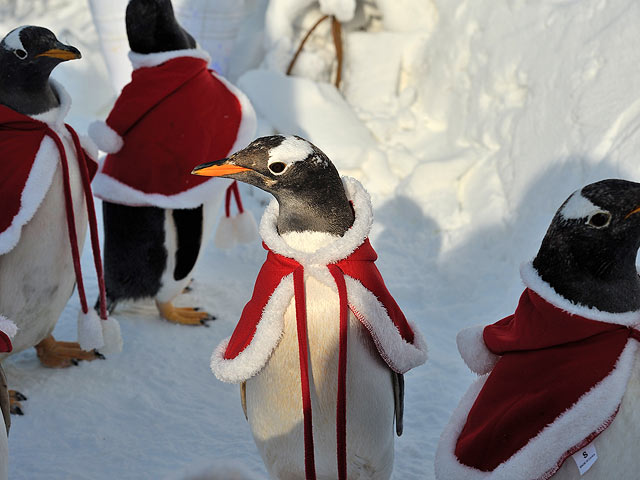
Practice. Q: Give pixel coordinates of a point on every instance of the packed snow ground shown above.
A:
(469, 121)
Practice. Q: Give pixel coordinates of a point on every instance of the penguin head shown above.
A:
(588, 253)
(298, 174)
(152, 27)
(28, 54)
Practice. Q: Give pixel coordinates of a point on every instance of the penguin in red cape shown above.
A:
(175, 114)
(321, 347)
(46, 200)
(560, 378)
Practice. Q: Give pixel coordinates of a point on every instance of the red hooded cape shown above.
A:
(20, 140)
(171, 117)
(549, 360)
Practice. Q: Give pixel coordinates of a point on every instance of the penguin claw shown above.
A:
(56, 354)
(182, 315)
(16, 410)
(74, 361)
(15, 407)
(18, 396)
(99, 355)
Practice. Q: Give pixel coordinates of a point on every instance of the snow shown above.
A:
(469, 121)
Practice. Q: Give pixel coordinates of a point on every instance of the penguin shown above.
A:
(568, 356)
(155, 232)
(309, 302)
(36, 261)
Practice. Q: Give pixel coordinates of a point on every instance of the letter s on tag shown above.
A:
(585, 458)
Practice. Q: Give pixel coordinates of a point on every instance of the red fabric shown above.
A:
(171, 117)
(549, 359)
(20, 139)
(5, 343)
(359, 265)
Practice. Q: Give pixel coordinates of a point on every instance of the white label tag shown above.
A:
(585, 458)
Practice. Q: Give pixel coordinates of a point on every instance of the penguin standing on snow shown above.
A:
(173, 115)
(561, 376)
(320, 320)
(46, 199)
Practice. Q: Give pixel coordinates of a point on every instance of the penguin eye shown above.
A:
(21, 54)
(277, 167)
(599, 220)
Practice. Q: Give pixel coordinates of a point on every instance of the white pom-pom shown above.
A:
(105, 137)
(245, 228)
(89, 330)
(225, 235)
(473, 350)
(8, 327)
(111, 335)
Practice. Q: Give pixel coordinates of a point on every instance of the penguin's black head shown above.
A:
(588, 253)
(276, 164)
(152, 27)
(28, 54)
(296, 172)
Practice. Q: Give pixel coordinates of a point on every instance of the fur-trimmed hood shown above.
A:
(524, 360)
(260, 328)
(174, 115)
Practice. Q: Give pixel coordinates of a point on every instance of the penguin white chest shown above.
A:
(37, 276)
(274, 402)
(617, 446)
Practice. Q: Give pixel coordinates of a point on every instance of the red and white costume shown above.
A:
(554, 375)
(174, 115)
(35, 150)
(325, 285)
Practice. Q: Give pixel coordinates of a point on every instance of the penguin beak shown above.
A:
(219, 168)
(63, 52)
(632, 212)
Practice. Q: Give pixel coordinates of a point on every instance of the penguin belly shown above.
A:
(274, 402)
(617, 446)
(37, 276)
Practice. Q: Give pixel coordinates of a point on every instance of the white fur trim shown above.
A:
(244, 227)
(105, 137)
(474, 351)
(35, 189)
(111, 335)
(341, 248)
(8, 327)
(533, 281)
(112, 190)
(267, 336)
(542, 453)
(400, 355)
(225, 237)
(89, 330)
(142, 60)
(248, 122)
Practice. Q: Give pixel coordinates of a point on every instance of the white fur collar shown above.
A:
(533, 281)
(55, 117)
(141, 60)
(330, 249)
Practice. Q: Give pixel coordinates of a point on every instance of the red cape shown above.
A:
(549, 360)
(359, 266)
(20, 140)
(171, 117)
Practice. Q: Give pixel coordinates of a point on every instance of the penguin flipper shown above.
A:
(398, 395)
(5, 403)
(243, 398)
(188, 222)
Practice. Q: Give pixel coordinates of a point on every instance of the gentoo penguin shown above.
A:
(173, 115)
(45, 196)
(320, 320)
(561, 376)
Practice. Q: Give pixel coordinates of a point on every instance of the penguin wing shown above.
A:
(398, 396)
(188, 222)
(5, 404)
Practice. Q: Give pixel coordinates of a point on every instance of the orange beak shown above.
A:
(632, 212)
(217, 169)
(61, 54)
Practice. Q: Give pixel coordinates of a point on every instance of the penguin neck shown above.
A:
(30, 97)
(608, 285)
(332, 214)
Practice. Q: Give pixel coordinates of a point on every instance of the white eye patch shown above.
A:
(290, 151)
(579, 207)
(12, 41)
